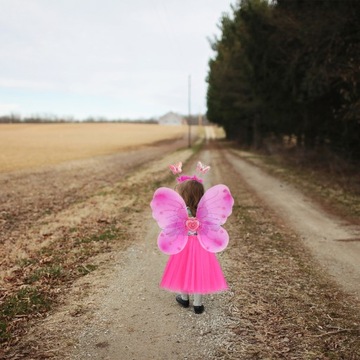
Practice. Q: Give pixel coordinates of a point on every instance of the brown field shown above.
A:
(24, 146)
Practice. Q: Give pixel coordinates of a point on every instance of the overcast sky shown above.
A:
(111, 58)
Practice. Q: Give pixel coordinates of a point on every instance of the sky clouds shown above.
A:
(112, 58)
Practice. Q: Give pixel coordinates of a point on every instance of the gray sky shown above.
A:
(111, 58)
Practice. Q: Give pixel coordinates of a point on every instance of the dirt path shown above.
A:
(128, 317)
(280, 306)
(334, 242)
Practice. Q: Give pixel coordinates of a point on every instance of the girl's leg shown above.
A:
(197, 299)
(183, 300)
(198, 306)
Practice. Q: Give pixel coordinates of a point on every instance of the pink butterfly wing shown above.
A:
(169, 211)
(205, 169)
(213, 210)
(177, 168)
(202, 168)
(213, 239)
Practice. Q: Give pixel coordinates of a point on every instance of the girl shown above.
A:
(193, 270)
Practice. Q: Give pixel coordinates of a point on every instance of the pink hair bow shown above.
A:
(183, 178)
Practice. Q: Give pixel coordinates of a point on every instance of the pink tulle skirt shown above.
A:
(193, 271)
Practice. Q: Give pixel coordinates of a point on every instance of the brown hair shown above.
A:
(191, 191)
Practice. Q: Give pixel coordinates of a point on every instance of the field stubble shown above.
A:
(24, 146)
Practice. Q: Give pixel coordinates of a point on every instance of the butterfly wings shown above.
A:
(176, 168)
(213, 210)
(169, 210)
(202, 168)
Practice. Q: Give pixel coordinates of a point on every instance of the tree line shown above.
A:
(288, 71)
(51, 119)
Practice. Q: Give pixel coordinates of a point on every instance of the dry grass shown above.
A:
(25, 146)
(283, 305)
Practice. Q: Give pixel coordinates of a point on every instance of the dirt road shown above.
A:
(334, 242)
(281, 305)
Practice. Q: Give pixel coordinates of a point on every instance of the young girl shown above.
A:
(194, 269)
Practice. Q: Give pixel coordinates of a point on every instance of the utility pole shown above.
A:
(189, 108)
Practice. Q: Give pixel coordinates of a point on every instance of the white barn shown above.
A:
(171, 118)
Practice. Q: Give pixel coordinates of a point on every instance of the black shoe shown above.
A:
(183, 303)
(199, 309)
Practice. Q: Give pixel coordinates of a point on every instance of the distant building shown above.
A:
(172, 118)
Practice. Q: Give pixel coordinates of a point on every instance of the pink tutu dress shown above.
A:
(193, 271)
